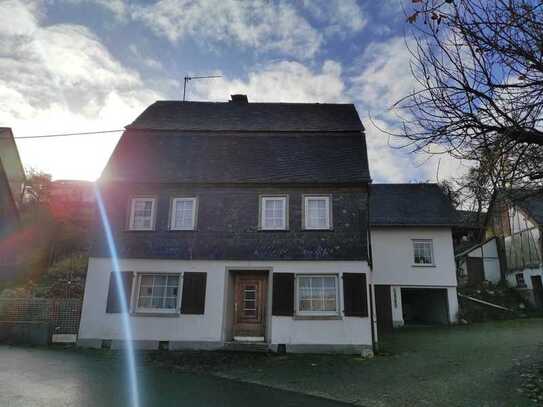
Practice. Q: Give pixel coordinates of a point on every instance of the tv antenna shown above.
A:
(189, 78)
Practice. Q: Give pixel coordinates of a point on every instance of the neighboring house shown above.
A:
(477, 258)
(412, 254)
(517, 220)
(479, 263)
(12, 181)
(236, 222)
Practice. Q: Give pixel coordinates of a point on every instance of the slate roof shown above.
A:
(266, 147)
(410, 205)
(236, 116)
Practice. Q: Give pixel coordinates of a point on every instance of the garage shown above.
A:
(425, 306)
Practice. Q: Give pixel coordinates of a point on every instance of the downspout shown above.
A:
(373, 316)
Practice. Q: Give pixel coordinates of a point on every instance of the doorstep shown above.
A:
(246, 346)
(249, 339)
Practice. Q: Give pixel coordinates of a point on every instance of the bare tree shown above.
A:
(478, 67)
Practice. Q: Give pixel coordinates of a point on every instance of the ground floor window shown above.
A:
(317, 294)
(158, 293)
(520, 280)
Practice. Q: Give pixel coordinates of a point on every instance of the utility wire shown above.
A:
(69, 134)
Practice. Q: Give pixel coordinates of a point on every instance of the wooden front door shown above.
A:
(250, 306)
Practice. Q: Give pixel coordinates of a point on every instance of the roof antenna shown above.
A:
(189, 78)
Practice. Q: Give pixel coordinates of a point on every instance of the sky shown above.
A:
(87, 65)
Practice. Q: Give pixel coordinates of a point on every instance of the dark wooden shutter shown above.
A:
(114, 305)
(355, 295)
(283, 294)
(193, 298)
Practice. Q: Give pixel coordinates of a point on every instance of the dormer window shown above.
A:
(142, 214)
(183, 215)
(273, 212)
(317, 213)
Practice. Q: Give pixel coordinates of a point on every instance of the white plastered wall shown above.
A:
(392, 249)
(213, 325)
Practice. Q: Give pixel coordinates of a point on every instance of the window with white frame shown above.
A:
(273, 210)
(317, 294)
(183, 215)
(317, 212)
(142, 214)
(158, 293)
(423, 252)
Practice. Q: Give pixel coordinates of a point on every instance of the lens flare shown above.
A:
(129, 348)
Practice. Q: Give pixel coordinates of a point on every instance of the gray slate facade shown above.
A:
(228, 168)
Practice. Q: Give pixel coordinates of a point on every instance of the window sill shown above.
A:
(317, 317)
(155, 314)
(424, 265)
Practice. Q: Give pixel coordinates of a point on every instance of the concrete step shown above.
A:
(238, 346)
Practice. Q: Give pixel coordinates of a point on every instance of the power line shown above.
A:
(69, 134)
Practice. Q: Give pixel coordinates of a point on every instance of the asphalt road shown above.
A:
(38, 377)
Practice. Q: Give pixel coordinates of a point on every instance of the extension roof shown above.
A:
(410, 205)
(201, 142)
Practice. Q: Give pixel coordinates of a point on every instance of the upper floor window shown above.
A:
(273, 212)
(317, 212)
(183, 214)
(423, 252)
(142, 214)
(317, 294)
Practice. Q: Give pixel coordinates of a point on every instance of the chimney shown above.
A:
(239, 99)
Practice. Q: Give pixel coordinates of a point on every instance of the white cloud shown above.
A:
(284, 81)
(146, 60)
(384, 75)
(259, 24)
(119, 8)
(339, 16)
(60, 78)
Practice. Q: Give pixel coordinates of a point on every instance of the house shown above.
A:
(12, 181)
(234, 223)
(479, 263)
(413, 265)
(477, 257)
(517, 222)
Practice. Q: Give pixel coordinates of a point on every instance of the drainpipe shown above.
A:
(373, 315)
